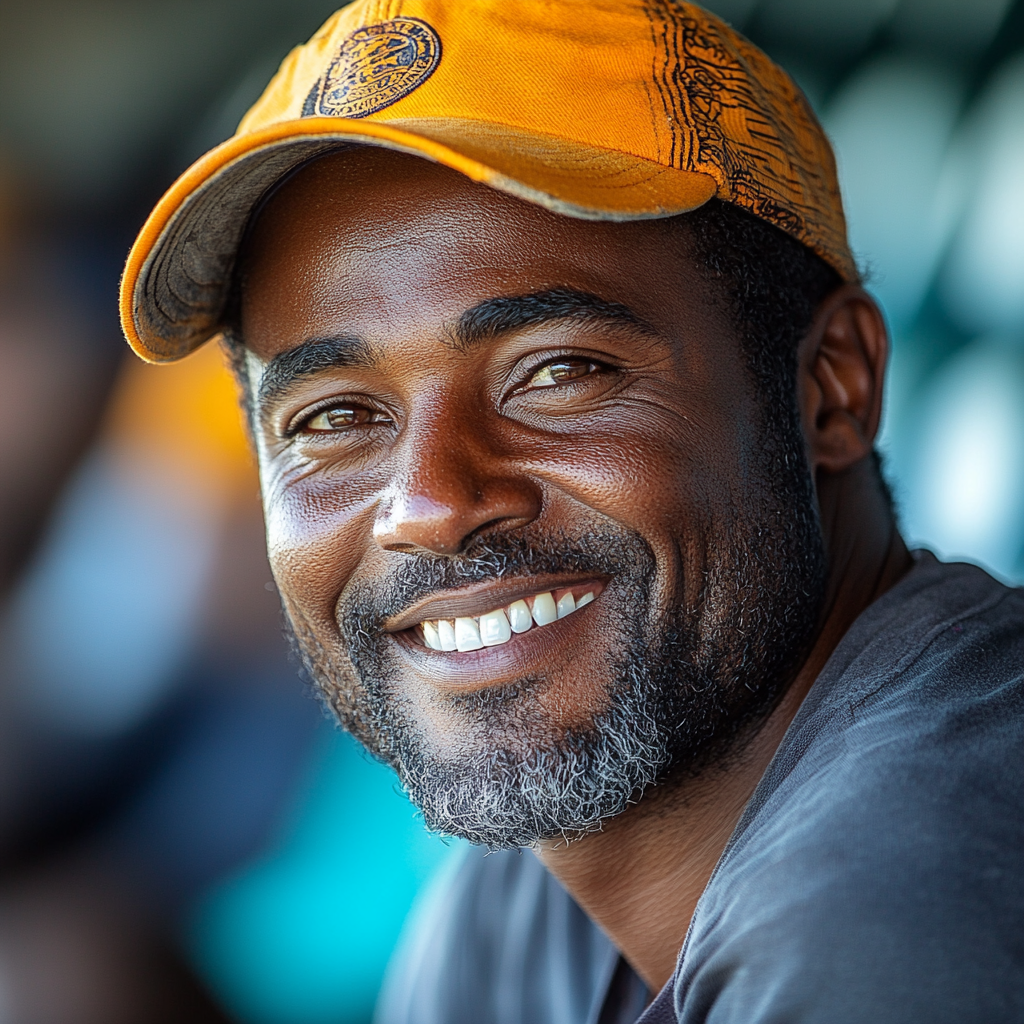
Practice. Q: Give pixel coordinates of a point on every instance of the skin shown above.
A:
(431, 443)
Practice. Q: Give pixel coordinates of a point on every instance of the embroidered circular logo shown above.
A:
(375, 66)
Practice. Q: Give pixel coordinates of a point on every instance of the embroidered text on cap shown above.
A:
(375, 66)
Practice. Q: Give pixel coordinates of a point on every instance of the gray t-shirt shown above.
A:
(877, 874)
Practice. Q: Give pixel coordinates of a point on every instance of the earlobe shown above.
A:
(841, 372)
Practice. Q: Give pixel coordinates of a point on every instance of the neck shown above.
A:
(640, 878)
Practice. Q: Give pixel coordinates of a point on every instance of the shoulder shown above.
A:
(498, 939)
(879, 872)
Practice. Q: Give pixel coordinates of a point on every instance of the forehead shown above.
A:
(373, 241)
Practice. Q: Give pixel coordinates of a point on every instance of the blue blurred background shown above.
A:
(183, 837)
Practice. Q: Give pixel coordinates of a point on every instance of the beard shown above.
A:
(691, 678)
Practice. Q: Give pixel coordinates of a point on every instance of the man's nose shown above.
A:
(450, 488)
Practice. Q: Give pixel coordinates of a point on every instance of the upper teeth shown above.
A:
(497, 627)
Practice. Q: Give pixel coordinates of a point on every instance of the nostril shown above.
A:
(500, 523)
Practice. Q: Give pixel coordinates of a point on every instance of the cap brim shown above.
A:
(179, 270)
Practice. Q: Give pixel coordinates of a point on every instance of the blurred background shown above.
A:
(183, 837)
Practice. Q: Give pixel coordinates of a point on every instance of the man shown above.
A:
(565, 435)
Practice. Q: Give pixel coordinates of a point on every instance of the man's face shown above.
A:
(467, 405)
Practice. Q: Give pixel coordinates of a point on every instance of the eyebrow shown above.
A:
(311, 357)
(483, 322)
(494, 317)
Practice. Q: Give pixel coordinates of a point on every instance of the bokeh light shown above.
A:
(303, 935)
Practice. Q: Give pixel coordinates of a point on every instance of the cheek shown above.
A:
(316, 538)
(657, 479)
(666, 475)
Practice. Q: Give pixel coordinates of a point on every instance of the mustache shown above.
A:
(368, 603)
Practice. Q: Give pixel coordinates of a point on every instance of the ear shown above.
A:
(841, 372)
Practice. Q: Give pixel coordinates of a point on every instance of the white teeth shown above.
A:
(467, 636)
(446, 634)
(544, 610)
(494, 629)
(519, 616)
(430, 637)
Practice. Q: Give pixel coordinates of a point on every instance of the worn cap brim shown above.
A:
(178, 273)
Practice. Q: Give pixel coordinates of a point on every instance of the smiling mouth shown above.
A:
(494, 628)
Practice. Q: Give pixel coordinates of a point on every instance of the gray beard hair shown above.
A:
(562, 787)
(501, 801)
(689, 683)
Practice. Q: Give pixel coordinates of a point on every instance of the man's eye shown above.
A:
(562, 372)
(342, 417)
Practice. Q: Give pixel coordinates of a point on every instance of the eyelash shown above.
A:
(300, 426)
(595, 366)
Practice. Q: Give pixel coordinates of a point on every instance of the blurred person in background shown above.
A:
(571, 495)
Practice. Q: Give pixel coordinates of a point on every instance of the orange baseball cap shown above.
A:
(598, 109)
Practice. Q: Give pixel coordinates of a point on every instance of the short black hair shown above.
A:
(771, 286)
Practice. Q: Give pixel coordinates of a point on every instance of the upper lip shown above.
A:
(478, 599)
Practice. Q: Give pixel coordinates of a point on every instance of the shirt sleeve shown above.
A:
(884, 879)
